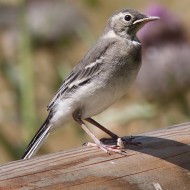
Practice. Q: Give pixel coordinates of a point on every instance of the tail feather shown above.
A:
(38, 139)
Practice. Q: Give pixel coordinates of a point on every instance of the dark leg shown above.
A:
(114, 137)
(93, 122)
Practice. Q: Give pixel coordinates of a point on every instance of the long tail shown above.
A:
(38, 139)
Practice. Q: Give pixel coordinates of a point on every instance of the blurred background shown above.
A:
(41, 41)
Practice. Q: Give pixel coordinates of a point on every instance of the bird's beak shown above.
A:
(146, 19)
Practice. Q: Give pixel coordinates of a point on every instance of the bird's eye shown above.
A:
(127, 17)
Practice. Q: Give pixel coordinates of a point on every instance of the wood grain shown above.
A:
(162, 162)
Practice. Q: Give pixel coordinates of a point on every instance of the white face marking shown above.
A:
(119, 25)
(118, 16)
(111, 34)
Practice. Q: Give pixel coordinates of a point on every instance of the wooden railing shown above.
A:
(162, 162)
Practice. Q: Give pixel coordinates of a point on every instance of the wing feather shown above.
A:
(75, 80)
(83, 72)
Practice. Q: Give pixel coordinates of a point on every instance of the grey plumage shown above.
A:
(104, 52)
(82, 72)
(101, 77)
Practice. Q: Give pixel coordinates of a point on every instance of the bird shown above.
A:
(102, 77)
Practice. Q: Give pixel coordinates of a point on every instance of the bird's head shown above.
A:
(126, 22)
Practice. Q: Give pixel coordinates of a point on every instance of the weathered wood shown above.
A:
(162, 162)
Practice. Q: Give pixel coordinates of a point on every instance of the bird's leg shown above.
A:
(77, 118)
(95, 123)
(114, 138)
(98, 143)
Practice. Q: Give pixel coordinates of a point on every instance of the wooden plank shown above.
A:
(161, 162)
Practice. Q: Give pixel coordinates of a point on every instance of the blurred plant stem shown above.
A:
(26, 87)
(12, 150)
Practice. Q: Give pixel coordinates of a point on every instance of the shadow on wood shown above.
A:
(161, 162)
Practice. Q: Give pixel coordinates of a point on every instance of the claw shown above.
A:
(108, 148)
(109, 145)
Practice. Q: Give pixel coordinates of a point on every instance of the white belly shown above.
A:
(98, 100)
(91, 99)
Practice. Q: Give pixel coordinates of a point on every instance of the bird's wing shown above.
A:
(84, 71)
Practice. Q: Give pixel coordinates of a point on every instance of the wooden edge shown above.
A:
(161, 162)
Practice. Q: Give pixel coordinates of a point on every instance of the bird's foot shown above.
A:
(109, 145)
(108, 148)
